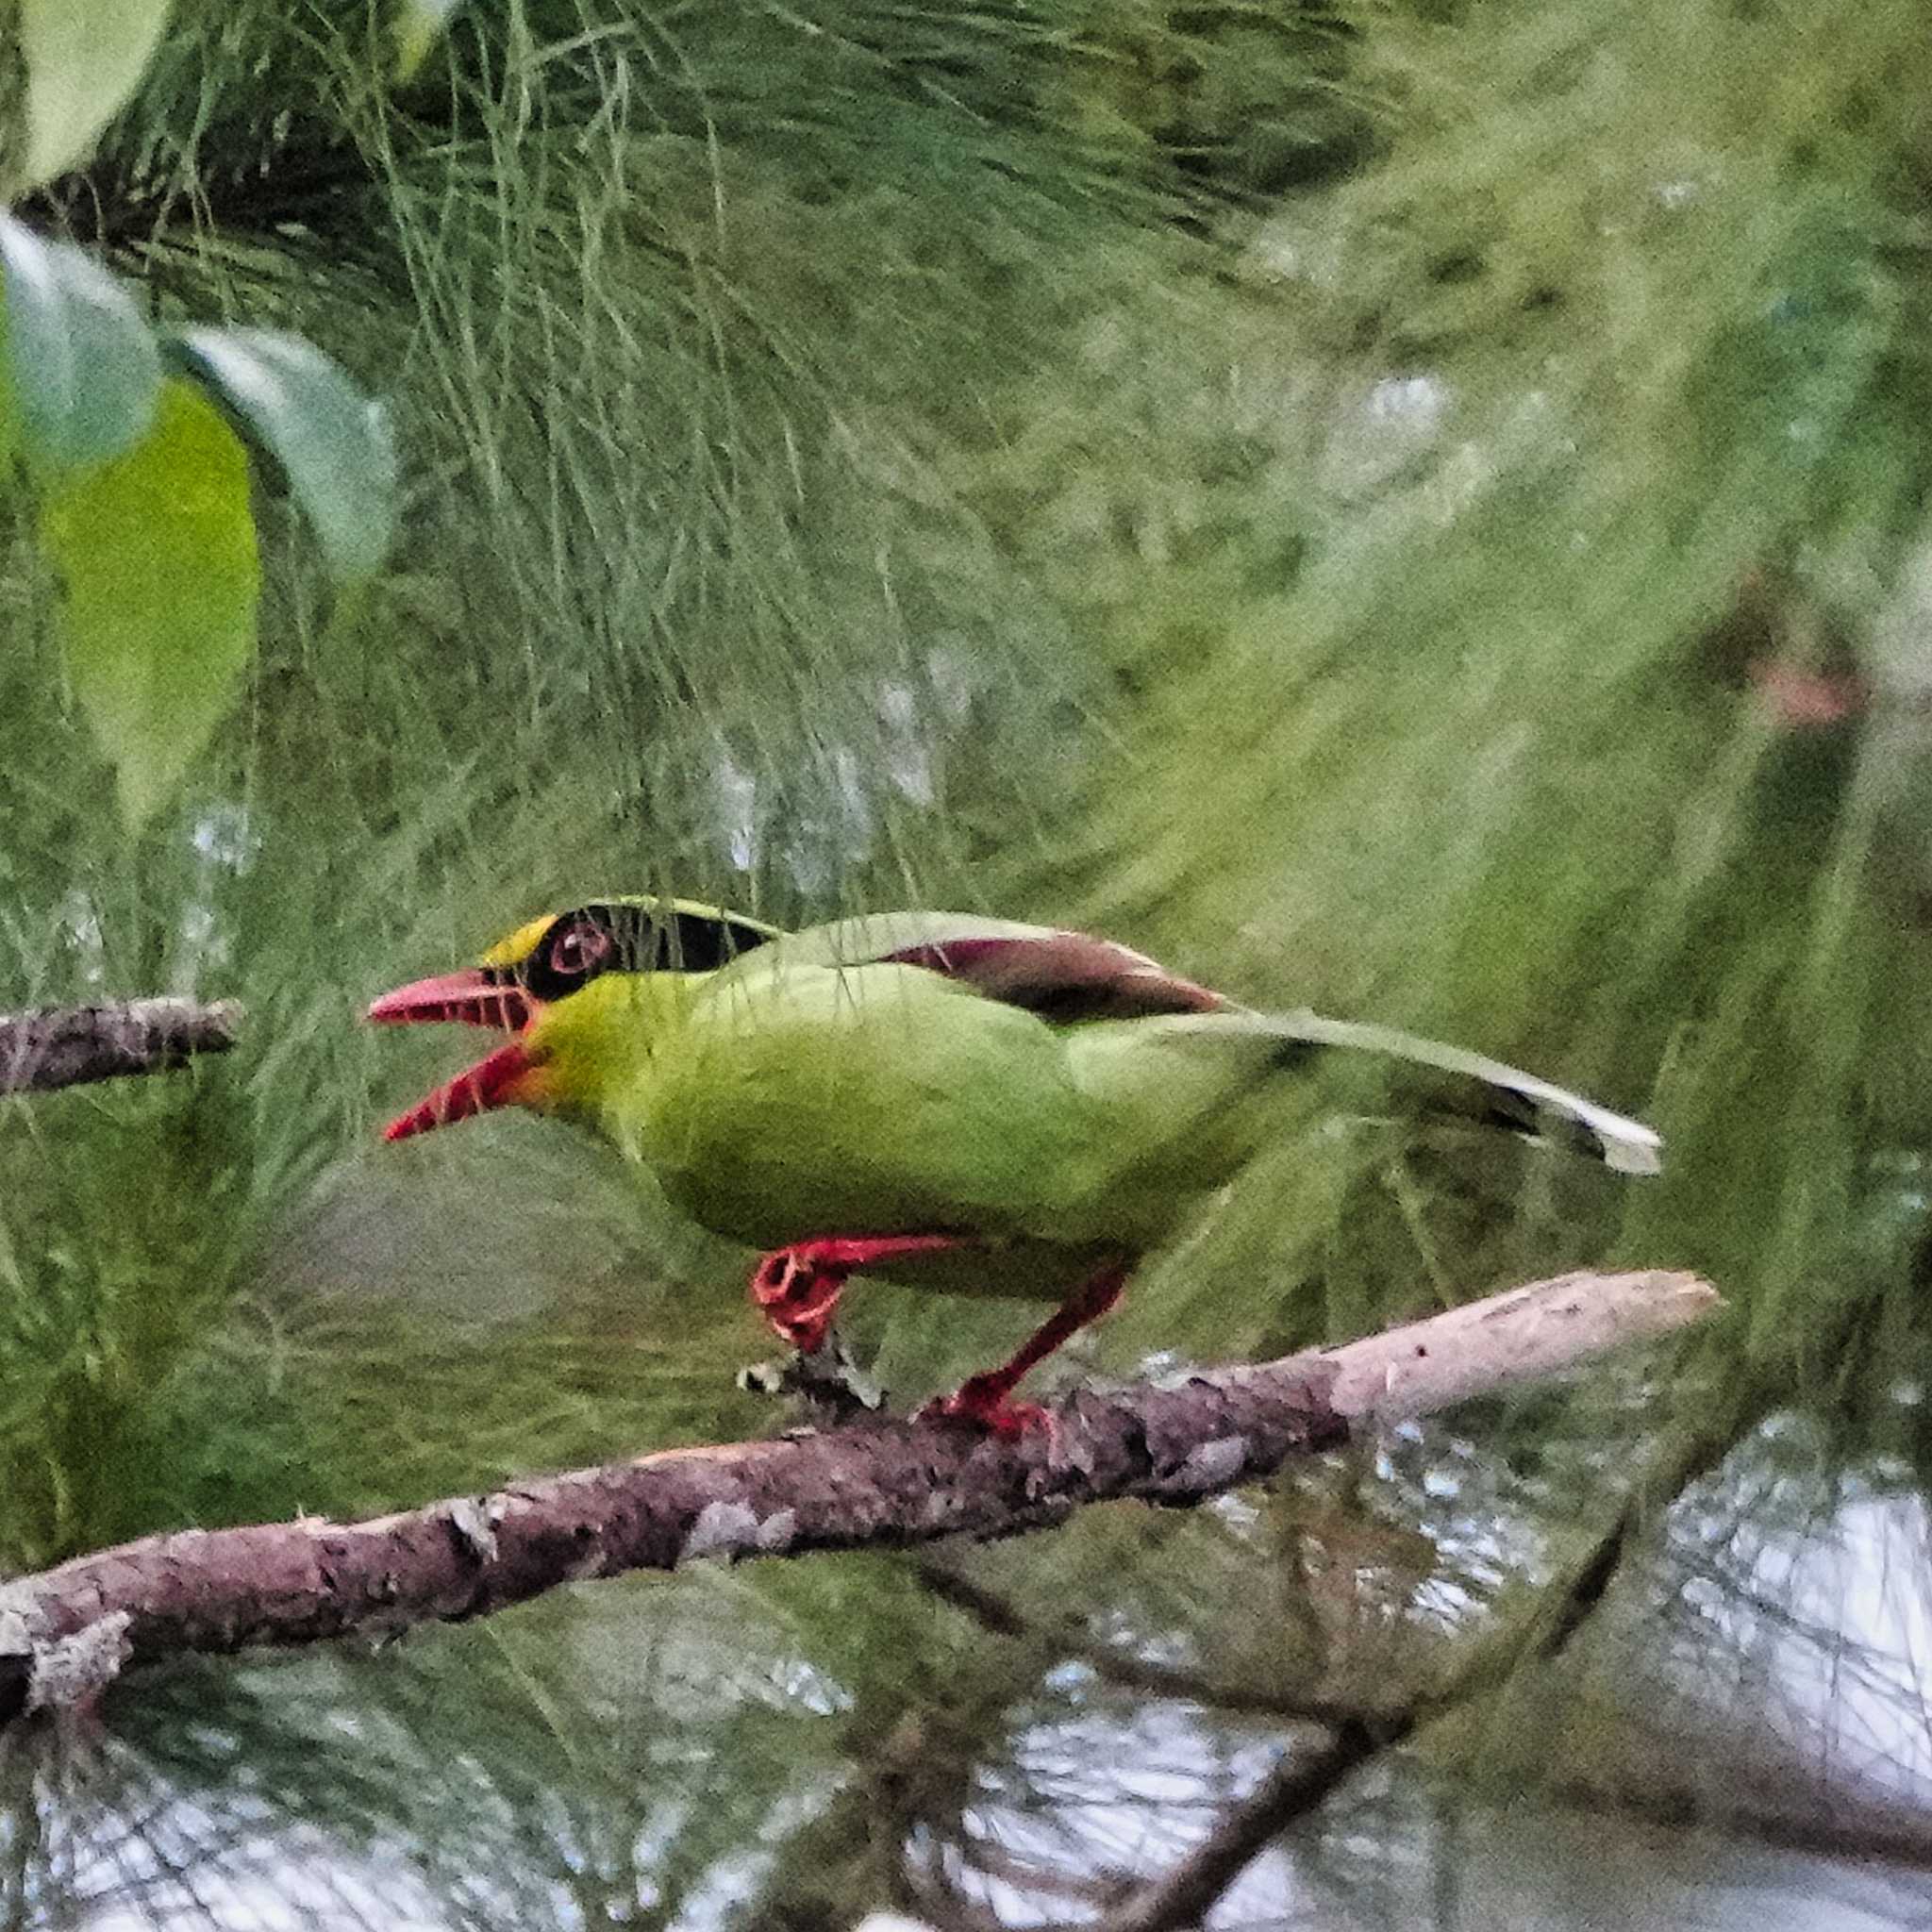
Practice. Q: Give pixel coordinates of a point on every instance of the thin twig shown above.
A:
(1896, 1836)
(1299, 1783)
(1070, 1643)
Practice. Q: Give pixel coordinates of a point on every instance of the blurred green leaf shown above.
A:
(10, 409)
(82, 66)
(85, 367)
(331, 443)
(157, 551)
(419, 25)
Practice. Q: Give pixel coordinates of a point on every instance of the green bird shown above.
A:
(962, 1104)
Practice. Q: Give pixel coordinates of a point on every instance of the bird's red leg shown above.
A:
(984, 1398)
(797, 1288)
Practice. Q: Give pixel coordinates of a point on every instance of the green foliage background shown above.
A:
(1312, 490)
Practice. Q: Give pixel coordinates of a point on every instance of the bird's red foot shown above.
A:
(987, 1402)
(986, 1399)
(797, 1288)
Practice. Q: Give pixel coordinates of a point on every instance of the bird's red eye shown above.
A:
(580, 950)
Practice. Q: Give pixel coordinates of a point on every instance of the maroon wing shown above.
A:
(1063, 976)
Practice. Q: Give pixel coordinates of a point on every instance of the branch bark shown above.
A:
(68, 1631)
(63, 1046)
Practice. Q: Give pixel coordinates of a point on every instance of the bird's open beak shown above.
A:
(504, 1078)
(468, 996)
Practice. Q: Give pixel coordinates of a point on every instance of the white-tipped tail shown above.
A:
(1487, 1092)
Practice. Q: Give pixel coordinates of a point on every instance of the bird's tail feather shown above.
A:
(1489, 1093)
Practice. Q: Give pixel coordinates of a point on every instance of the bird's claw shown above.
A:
(986, 1402)
(796, 1289)
(797, 1298)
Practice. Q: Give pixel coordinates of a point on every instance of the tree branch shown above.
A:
(63, 1046)
(66, 1632)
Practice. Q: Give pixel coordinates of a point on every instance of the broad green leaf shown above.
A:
(157, 552)
(419, 25)
(85, 366)
(331, 441)
(83, 59)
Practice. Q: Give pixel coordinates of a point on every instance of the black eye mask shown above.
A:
(579, 945)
